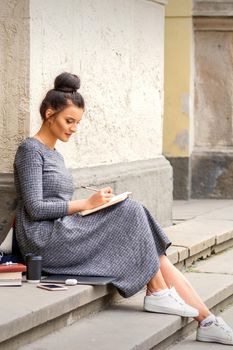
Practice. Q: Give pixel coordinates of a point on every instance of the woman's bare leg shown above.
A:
(157, 283)
(173, 277)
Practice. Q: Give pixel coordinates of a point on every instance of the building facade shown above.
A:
(198, 126)
(117, 49)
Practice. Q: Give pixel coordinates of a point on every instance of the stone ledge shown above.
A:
(149, 180)
(216, 8)
(177, 254)
(197, 234)
(221, 24)
(198, 238)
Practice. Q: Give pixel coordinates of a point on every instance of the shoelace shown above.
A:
(176, 296)
(223, 325)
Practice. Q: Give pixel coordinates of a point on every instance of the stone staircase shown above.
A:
(87, 317)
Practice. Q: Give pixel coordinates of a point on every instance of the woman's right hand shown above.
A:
(101, 197)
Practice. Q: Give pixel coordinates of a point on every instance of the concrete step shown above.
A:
(126, 326)
(190, 342)
(202, 228)
(28, 313)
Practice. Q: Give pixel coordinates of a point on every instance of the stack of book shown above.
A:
(11, 274)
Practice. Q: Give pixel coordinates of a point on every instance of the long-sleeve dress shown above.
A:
(123, 240)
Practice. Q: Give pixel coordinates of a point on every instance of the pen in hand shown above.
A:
(91, 188)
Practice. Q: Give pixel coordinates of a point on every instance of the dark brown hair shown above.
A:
(64, 93)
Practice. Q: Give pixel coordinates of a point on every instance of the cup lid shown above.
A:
(33, 257)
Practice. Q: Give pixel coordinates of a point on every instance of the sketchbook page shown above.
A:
(114, 200)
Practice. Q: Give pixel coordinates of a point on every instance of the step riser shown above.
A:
(222, 246)
(56, 324)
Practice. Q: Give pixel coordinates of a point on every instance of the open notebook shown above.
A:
(114, 200)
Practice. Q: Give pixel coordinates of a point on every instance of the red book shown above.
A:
(13, 268)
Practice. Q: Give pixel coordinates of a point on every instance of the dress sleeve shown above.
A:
(29, 168)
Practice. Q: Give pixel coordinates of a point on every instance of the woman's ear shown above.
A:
(49, 112)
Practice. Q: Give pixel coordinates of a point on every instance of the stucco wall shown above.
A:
(14, 72)
(117, 49)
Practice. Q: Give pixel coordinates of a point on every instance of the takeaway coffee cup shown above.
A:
(34, 268)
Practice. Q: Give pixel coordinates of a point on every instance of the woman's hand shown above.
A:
(101, 197)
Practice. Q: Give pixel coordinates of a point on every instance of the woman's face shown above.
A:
(63, 124)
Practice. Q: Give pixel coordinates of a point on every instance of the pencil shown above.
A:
(91, 188)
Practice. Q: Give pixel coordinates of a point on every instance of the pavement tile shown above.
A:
(212, 287)
(225, 213)
(223, 228)
(186, 210)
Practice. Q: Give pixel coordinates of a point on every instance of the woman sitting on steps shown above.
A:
(123, 240)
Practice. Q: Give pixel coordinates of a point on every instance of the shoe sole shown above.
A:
(212, 340)
(164, 310)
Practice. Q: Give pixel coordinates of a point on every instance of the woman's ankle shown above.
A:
(157, 292)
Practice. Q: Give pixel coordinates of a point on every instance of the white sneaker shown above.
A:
(169, 303)
(216, 332)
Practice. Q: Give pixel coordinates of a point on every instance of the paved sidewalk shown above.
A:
(202, 208)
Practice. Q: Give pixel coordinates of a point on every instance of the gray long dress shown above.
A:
(123, 241)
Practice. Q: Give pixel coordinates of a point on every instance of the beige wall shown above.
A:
(178, 124)
(112, 45)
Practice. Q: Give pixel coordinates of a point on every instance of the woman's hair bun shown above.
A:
(67, 82)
